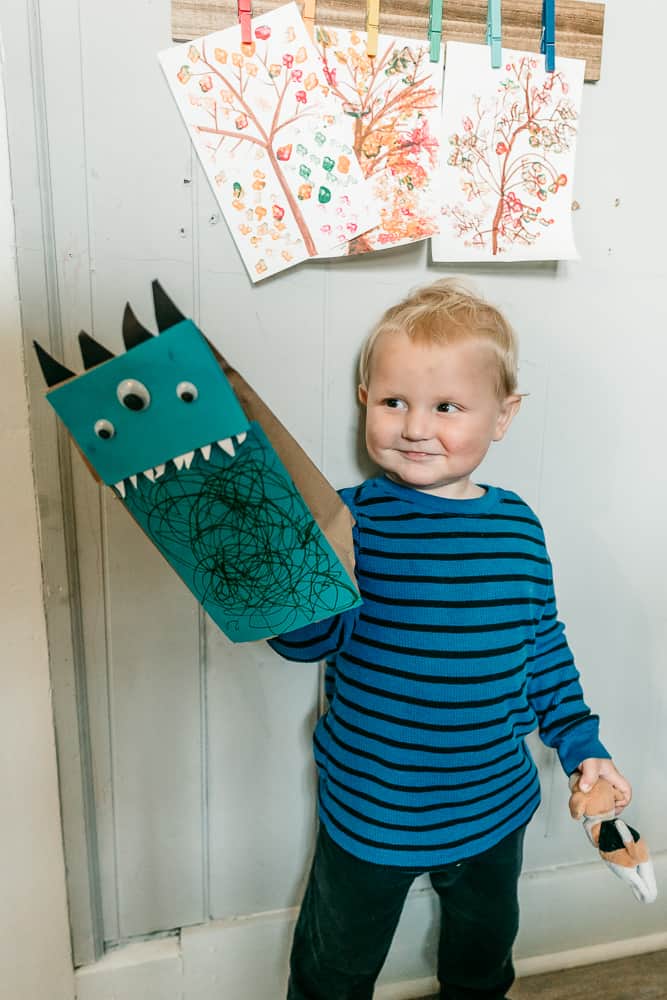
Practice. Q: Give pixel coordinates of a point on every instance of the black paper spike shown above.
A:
(166, 313)
(133, 332)
(92, 352)
(54, 373)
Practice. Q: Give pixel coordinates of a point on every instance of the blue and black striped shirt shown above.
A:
(433, 683)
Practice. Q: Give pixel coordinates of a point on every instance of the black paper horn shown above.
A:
(133, 332)
(54, 373)
(166, 313)
(92, 353)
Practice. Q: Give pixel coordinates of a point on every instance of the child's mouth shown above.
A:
(415, 456)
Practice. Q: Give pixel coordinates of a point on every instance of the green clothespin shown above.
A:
(493, 32)
(435, 28)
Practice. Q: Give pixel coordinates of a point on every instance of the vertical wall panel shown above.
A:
(261, 713)
(149, 754)
(260, 709)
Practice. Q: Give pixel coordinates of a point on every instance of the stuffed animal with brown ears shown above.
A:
(620, 847)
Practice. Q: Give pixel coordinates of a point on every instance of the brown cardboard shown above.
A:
(332, 516)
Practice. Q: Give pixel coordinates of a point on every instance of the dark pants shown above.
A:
(351, 909)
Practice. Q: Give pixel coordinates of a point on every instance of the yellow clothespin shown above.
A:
(372, 27)
(309, 17)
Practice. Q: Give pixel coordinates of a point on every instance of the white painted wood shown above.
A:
(238, 958)
(247, 958)
(35, 958)
(149, 755)
(202, 774)
(40, 313)
(261, 777)
(152, 970)
(155, 735)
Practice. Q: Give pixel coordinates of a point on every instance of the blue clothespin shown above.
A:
(548, 44)
(493, 32)
(435, 28)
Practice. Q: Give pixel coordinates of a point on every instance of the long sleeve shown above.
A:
(318, 641)
(566, 723)
(434, 683)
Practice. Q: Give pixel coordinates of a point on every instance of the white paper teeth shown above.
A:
(227, 445)
(206, 451)
(149, 474)
(241, 437)
(159, 471)
(183, 460)
(133, 480)
(121, 488)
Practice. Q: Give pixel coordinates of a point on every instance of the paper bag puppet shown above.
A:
(215, 481)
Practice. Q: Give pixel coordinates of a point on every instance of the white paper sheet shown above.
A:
(276, 155)
(391, 107)
(509, 138)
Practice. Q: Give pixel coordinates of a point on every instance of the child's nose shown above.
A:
(416, 426)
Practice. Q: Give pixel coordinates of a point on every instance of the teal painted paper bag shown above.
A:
(219, 486)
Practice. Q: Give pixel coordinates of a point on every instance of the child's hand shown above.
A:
(600, 767)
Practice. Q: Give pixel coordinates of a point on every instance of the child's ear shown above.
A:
(363, 395)
(508, 410)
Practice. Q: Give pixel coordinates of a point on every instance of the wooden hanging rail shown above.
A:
(579, 26)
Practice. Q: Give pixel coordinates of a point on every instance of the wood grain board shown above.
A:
(579, 25)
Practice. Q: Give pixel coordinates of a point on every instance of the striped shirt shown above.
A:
(455, 655)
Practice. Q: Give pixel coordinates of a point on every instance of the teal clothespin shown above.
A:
(435, 28)
(493, 32)
(548, 43)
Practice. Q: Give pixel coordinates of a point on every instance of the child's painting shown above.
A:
(163, 427)
(391, 105)
(278, 159)
(509, 137)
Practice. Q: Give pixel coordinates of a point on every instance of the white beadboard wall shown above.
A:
(35, 958)
(196, 768)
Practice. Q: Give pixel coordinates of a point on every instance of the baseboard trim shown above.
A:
(590, 954)
(534, 966)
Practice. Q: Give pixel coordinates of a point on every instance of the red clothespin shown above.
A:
(245, 13)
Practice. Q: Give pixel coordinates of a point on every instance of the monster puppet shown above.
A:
(163, 426)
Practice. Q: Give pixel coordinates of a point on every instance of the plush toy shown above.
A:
(620, 847)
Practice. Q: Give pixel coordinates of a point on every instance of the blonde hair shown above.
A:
(443, 313)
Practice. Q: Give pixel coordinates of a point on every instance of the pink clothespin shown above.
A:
(245, 13)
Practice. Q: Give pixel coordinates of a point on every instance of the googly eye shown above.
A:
(133, 395)
(187, 391)
(104, 429)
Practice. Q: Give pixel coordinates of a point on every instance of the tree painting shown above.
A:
(512, 154)
(392, 106)
(258, 117)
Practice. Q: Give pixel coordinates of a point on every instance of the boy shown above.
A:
(454, 657)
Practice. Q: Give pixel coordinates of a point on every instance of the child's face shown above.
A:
(432, 411)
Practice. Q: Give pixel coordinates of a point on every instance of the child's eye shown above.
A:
(393, 403)
(447, 407)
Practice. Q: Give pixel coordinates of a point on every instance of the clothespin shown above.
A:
(435, 28)
(493, 32)
(372, 27)
(245, 13)
(548, 44)
(309, 17)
